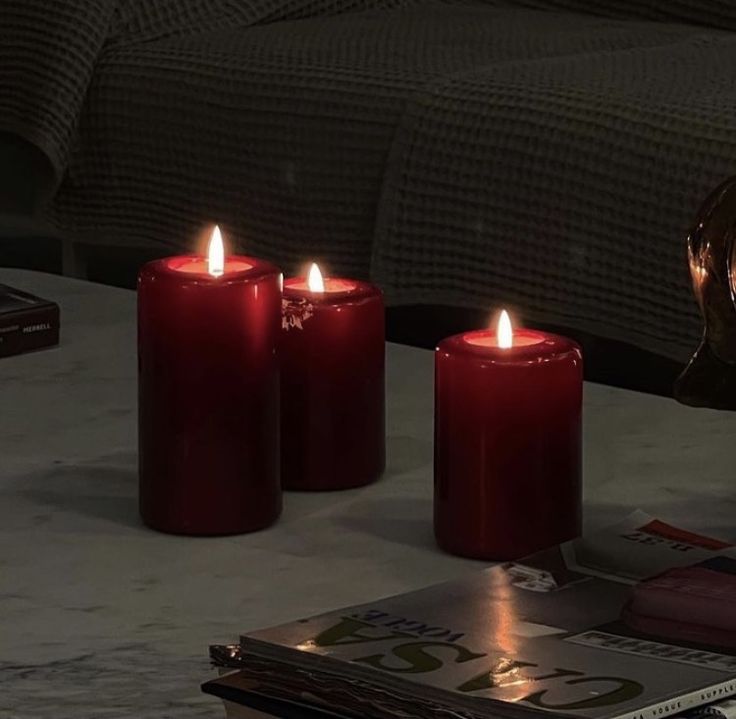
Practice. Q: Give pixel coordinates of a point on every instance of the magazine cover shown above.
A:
(637, 621)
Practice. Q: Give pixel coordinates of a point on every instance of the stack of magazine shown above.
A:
(634, 622)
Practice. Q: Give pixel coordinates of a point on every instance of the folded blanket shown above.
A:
(49, 50)
(48, 53)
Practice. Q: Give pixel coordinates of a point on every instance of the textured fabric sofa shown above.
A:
(546, 155)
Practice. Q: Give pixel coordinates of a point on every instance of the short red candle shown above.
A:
(209, 395)
(507, 443)
(332, 385)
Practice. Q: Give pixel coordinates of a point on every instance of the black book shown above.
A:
(27, 322)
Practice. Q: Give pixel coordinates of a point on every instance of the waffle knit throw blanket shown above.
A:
(548, 155)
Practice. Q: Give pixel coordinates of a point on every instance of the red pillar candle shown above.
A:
(209, 393)
(507, 442)
(332, 383)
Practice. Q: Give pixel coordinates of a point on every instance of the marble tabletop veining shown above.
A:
(103, 618)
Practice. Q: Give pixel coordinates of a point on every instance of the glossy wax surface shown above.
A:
(209, 396)
(332, 385)
(507, 444)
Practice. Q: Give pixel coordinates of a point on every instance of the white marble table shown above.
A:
(100, 617)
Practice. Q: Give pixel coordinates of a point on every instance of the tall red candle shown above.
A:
(507, 443)
(332, 384)
(209, 395)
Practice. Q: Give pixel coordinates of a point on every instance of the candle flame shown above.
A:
(216, 254)
(314, 280)
(504, 333)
